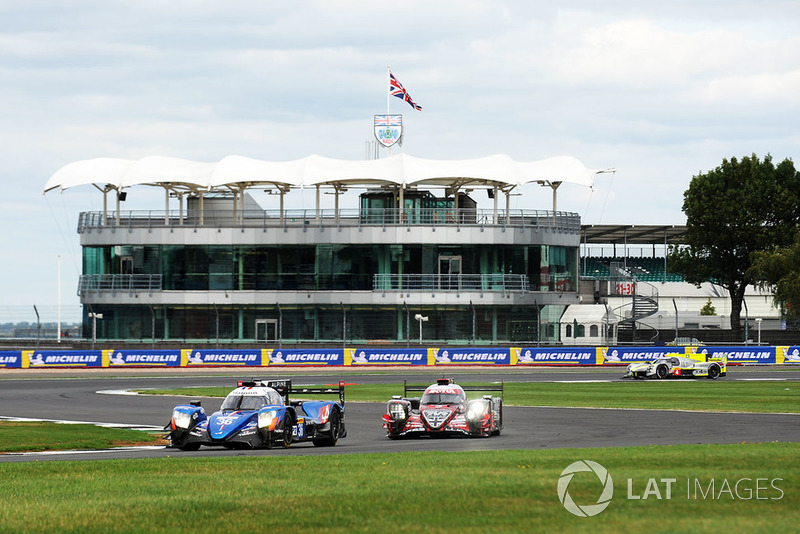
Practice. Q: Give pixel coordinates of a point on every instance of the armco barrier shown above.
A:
(351, 357)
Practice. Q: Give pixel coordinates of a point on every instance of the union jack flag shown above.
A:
(388, 120)
(397, 89)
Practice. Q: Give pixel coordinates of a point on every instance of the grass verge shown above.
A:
(498, 491)
(696, 394)
(43, 436)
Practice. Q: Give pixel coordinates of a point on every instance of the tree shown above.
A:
(778, 270)
(741, 207)
(708, 309)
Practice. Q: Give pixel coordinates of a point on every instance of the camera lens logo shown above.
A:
(587, 510)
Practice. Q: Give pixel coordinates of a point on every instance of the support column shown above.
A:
(317, 216)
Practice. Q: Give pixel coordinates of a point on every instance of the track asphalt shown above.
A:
(93, 396)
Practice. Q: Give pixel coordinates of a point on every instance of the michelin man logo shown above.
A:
(441, 357)
(587, 510)
(793, 356)
(524, 358)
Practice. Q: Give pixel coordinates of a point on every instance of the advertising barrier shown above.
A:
(787, 354)
(554, 356)
(64, 358)
(738, 354)
(470, 356)
(386, 357)
(619, 355)
(206, 357)
(11, 358)
(304, 357)
(423, 356)
(145, 358)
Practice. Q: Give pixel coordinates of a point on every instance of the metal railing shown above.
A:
(131, 283)
(382, 217)
(501, 283)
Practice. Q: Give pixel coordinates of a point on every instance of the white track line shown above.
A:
(115, 449)
(144, 428)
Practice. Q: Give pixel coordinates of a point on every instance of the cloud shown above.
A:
(660, 91)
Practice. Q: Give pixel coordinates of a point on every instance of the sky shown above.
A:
(659, 91)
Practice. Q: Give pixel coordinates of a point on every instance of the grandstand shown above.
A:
(624, 268)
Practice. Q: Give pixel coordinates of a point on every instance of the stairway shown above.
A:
(644, 303)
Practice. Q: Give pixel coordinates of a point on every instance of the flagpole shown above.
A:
(388, 95)
(388, 86)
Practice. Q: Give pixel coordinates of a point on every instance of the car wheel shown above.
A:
(661, 371)
(335, 424)
(190, 447)
(713, 372)
(287, 426)
(499, 421)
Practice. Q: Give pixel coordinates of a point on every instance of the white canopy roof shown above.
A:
(239, 171)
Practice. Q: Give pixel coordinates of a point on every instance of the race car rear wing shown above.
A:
(284, 388)
(446, 381)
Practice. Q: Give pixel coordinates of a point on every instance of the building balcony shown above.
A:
(557, 221)
(434, 283)
(119, 283)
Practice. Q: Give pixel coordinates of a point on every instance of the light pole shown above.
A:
(419, 317)
(758, 323)
(94, 317)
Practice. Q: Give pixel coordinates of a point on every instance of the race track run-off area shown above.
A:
(104, 398)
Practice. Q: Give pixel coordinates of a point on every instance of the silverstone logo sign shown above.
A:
(606, 493)
(388, 129)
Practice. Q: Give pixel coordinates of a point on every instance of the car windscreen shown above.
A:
(235, 402)
(441, 398)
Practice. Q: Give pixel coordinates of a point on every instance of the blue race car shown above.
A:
(259, 414)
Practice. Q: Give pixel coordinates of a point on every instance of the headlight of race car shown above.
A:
(266, 419)
(397, 411)
(181, 419)
(476, 410)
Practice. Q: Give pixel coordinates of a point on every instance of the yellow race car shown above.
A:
(679, 366)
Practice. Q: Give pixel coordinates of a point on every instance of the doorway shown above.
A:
(449, 272)
(266, 330)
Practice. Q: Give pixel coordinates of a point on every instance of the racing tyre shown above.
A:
(335, 424)
(287, 426)
(499, 421)
(190, 447)
(713, 372)
(661, 371)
